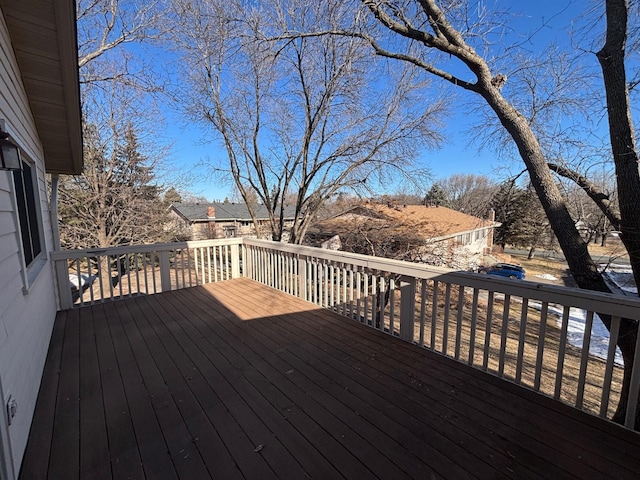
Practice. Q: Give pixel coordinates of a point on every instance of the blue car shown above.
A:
(508, 270)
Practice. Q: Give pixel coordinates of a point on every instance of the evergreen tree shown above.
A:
(436, 197)
(523, 221)
(115, 201)
(172, 196)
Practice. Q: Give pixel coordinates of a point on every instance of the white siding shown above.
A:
(26, 320)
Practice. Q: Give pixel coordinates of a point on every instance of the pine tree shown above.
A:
(523, 221)
(115, 201)
(436, 197)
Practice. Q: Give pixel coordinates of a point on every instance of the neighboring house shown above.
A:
(201, 221)
(40, 111)
(433, 235)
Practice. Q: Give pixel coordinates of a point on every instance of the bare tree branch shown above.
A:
(600, 198)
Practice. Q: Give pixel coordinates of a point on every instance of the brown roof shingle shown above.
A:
(429, 222)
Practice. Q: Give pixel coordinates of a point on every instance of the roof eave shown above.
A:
(50, 76)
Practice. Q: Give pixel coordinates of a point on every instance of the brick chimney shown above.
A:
(211, 212)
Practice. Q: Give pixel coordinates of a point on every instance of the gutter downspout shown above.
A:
(53, 211)
(55, 228)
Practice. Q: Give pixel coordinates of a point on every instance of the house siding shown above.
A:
(26, 319)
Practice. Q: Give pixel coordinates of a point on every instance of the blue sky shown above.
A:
(456, 154)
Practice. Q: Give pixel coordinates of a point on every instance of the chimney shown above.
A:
(211, 212)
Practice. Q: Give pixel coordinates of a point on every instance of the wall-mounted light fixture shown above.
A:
(9, 151)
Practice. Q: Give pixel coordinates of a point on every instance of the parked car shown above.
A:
(508, 270)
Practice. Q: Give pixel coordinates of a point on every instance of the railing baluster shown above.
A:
(391, 295)
(137, 267)
(374, 301)
(584, 359)
(423, 310)
(206, 265)
(286, 285)
(359, 281)
(217, 263)
(459, 315)
(434, 314)
(521, 338)
(270, 269)
(381, 302)
(332, 279)
(91, 294)
(407, 308)
(562, 347)
(351, 299)
(109, 277)
(285, 273)
(101, 274)
(197, 265)
(145, 267)
(366, 297)
(487, 332)
(611, 361)
(79, 280)
(504, 333)
(341, 285)
(445, 323)
(127, 268)
(542, 333)
(326, 284)
(155, 257)
(474, 321)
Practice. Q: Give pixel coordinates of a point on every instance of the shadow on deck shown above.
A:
(236, 380)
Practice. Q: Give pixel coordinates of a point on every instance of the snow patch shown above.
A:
(599, 341)
(622, 276)
(546, 276)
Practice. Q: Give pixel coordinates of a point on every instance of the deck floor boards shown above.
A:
(237, 380)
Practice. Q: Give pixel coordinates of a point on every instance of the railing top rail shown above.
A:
(628, 307)
(153, 247)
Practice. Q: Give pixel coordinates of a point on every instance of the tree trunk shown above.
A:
(625, 158)
(532, 252)
(623, 144)
(582, 267)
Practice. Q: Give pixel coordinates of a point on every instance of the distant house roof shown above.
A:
(207, 212)
(429, 222)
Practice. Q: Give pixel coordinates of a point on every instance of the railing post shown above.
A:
(407, 308)
(165, 271)
(64, 286)
(235, 261)
(246, 261)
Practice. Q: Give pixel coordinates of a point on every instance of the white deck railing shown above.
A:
(540, 336)
(94, 275)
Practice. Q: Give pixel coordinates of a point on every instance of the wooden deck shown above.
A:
(236, 380)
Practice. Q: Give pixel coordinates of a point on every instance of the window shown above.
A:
(27, 206)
